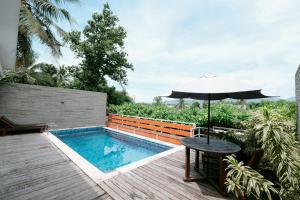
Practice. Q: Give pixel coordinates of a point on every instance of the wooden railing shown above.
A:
(164, 130)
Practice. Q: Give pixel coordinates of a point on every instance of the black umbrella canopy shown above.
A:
(213, 88)
(251, 94)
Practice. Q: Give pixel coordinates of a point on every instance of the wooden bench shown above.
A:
(163, 130)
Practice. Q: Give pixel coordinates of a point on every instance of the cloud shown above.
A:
(172, 42)
(272, 11)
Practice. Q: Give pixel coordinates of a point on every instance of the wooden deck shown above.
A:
(160, 179)
(32, 168)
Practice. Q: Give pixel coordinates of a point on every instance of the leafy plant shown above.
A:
(245, 182)
(277, 138)
(287, 109)
(274, 133)
(195, 104)
(233, 116)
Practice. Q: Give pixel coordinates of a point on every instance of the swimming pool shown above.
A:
(108, 150)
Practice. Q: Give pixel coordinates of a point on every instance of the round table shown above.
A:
(220, 147)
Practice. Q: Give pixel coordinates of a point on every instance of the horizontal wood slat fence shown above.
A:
(164, 130)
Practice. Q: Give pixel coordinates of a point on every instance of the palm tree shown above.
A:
(157, 100)
(38, 18)
(181, 104)
(49, 75)
(23, 75)
(62, 76)
(40, 74)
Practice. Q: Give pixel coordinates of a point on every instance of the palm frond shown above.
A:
(50, 10)
(38, 19)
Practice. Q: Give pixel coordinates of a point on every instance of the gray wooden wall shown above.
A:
(66, 108)
(297, 88)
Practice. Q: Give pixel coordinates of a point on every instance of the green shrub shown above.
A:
(223, 114)
(287, 109)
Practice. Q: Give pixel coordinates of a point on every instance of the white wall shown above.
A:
(9, 21)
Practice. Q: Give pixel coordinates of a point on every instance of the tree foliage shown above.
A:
(38, 19)
(223, 114)
(101, 47)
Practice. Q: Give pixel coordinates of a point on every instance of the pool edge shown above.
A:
(96, 174)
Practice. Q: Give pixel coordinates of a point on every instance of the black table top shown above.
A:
(214, 146)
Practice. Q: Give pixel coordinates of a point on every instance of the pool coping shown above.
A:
(96, 174)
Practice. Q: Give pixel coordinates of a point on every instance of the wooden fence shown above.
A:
(164, 130)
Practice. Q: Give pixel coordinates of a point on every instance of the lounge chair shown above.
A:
(255, 158)
(9, 127)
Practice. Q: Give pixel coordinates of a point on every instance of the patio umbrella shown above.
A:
(213, 88)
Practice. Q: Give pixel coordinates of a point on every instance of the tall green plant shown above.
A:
(274, 133)
(245, 182)
(277, 138)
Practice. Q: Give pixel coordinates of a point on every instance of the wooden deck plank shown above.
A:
(103, 197)
(132, 188)
(114, 192)
(161, 183)
(32, 168)
(163, 179)
(128, 190)
(143, 187)
(176, 173)
(175, 183)
(154, 186)
(198, 190)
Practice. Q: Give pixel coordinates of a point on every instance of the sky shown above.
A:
(171, 42)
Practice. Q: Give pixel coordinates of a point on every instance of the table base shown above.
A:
(222, 175)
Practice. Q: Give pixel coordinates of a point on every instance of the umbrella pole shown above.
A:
(208, 119)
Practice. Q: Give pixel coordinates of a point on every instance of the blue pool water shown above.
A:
(106, 149)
